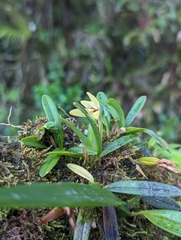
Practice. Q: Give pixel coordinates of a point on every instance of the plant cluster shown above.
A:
(100, 143)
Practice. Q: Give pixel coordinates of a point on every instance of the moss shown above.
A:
(20, 165)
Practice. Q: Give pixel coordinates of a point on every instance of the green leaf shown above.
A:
(112, 111)
(145, 188)
(53, 116)
(31, 141)
(136, 108)
(50, 126)
(119, 110)
(49, 163)
(57, 194)
(106, 118)
(50, 109)
(81, 172)
(168, 220)
(65, 153)
(161, 202)
(118, 143)
(79, 150)
(94, 128)
(101, 96)
(160, 141)
(82, 137)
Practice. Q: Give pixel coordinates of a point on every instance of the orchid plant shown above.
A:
(104, 116)
(108, 130)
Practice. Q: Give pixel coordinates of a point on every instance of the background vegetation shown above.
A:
(65, 48)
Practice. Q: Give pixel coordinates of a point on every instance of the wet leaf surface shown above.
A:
(145, 188)
(168, 220)
(51, 195)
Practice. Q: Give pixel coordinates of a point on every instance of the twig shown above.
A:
(9, 123)
(59, 107)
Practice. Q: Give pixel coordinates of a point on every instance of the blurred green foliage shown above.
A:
(124, 48)
(56, 88)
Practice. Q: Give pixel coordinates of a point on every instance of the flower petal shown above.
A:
(96, 114)
(87, 104)
(93, 112)
(76, 112)
(93, 99)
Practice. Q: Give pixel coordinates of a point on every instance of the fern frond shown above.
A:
(18, 28)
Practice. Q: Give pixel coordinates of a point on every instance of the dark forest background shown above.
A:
(64, 48)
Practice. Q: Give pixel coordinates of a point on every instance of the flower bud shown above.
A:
(148, 161)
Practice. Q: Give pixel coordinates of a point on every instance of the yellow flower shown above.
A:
(92, 107)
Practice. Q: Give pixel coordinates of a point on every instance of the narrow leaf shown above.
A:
(79, 150)
(136, 108)
(146, 188)
(31, 141)
(160, 141)
(82, 137)
(81, 172)
(53, 116)
(50, 109)
(118, 143)
(161, 202)
(65, 153)
(57, 194)
(106, 117)
(101, 96)
(119, 110)
(49, 163)
(113, 112)
(94, 128)
(168, 220)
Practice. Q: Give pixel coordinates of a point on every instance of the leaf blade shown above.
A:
(31, 141)
(81, 172)
(119, 110)
(136, 108)
(61, 195)
(160, 141)
(53, 116)
(168, 220)
(65, 153)
(146, 188)
(118, 143)
(82, 137)
(94, 128)
(161, 202)
(79, 150)
(49, 163)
